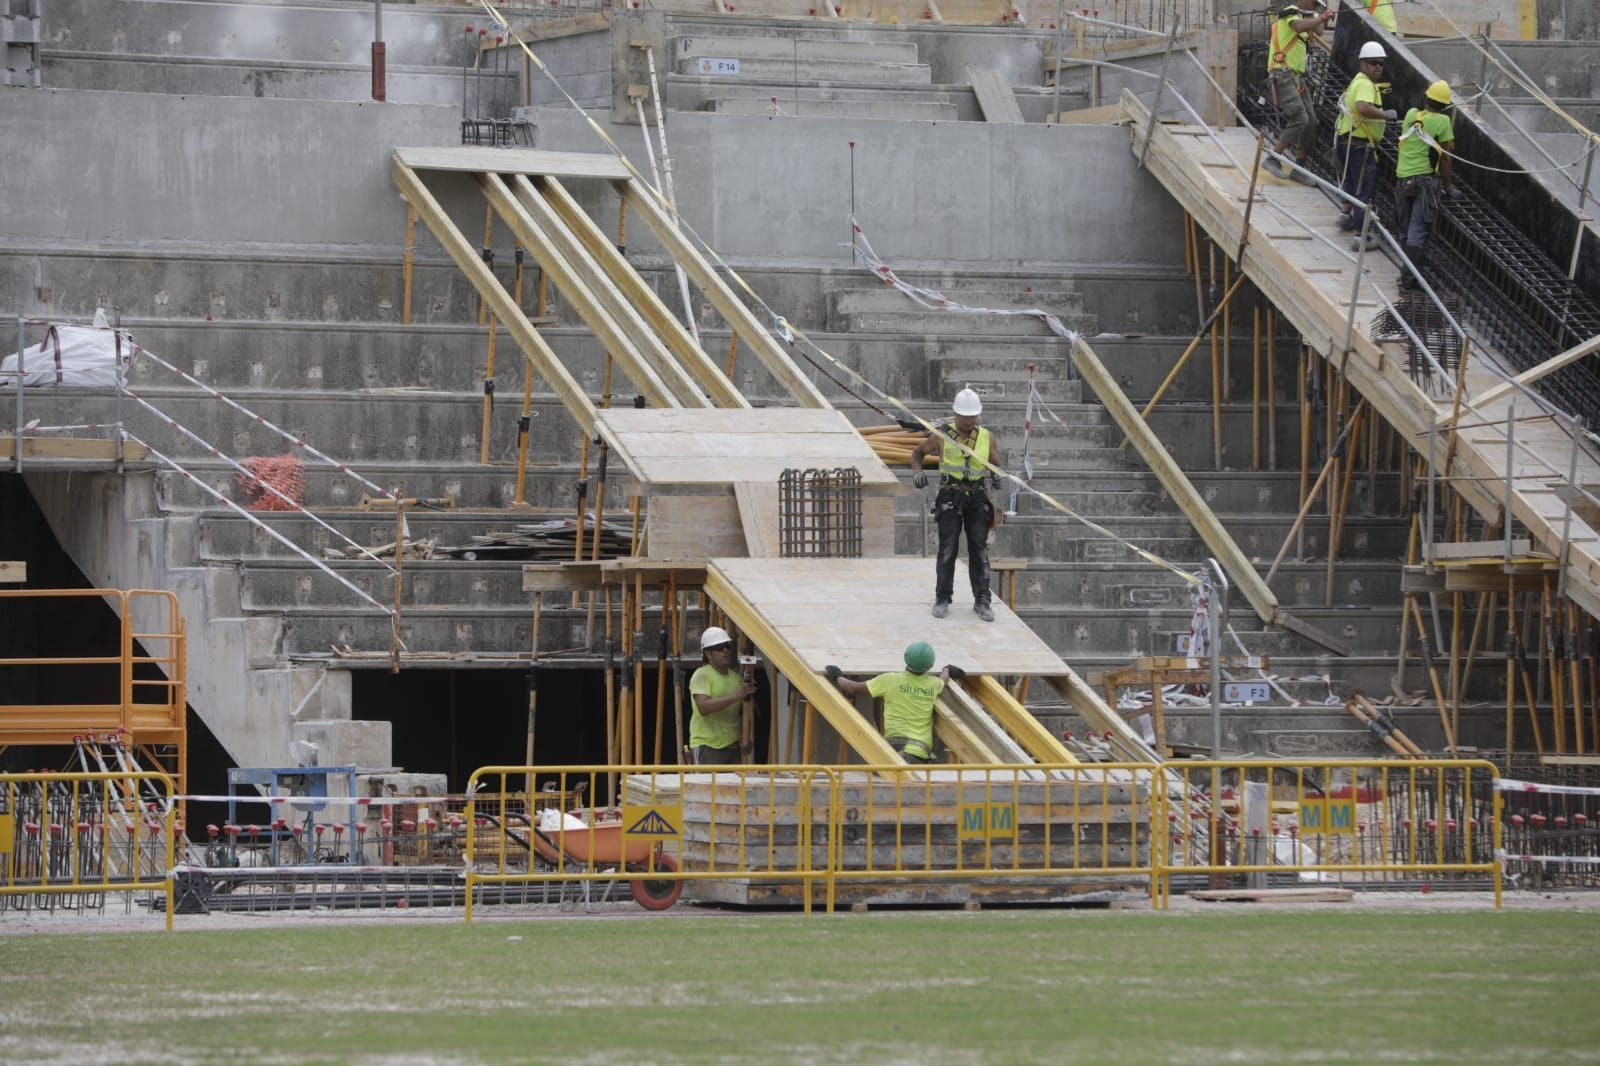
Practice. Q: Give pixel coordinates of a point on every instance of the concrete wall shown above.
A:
(127, 167)
(985, 196)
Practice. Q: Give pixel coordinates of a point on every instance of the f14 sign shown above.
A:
(717, 67)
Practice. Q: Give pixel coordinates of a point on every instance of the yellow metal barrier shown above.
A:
(1368, 822)
(65, 835)
(732, 829)
(1025, 832)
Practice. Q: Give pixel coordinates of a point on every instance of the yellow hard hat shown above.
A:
(1439, 93)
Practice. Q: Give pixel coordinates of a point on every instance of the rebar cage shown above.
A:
(819, 513)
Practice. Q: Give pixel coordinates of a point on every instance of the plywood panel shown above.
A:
(694, 527)
(758, 515)
(514, 161)
(861, 614)
(719, 447)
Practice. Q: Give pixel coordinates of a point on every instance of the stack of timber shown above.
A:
(903, 842)
(554, 541)
(893, 444)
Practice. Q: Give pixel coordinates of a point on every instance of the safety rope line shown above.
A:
(253, 520)
(1416, 130)
(262, 421)
(294, 504)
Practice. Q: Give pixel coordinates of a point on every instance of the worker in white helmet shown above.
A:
(963, 447)
(1362, 119)
(717, 691)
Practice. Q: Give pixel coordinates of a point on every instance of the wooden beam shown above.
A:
(1099, 716)
(13, 573)
(538, 354)
(70, 448)
(1029, 731)
(961, 741)
(745, 324)
(553, 251)
(513, 161)
(1173, 479)
(620, 305)
(840, 713)
(1529, 376)
(701, 366)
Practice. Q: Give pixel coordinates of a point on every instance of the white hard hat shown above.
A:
(714, 637)
(1373, 50)
(967, 403)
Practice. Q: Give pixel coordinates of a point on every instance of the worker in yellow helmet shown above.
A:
(907, 697)
(963, 447)
(1362, 120)
(717, 691)
(1422, 174)
(1286, 73)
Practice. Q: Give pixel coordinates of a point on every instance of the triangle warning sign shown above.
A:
(652, 824)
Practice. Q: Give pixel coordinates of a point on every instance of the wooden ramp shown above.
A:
(859, 615)
(1311, 283)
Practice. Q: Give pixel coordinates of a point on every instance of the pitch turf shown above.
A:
(1266, 986)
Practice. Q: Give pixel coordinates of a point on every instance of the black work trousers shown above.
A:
(957, 510)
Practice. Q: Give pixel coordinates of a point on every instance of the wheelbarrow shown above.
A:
(602, 845)
(598, 846)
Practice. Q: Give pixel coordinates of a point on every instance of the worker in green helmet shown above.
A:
(907, 697)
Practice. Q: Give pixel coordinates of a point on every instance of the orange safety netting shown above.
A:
(286, 473)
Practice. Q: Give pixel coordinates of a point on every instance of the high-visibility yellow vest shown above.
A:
(954, 463)
(1288, 47)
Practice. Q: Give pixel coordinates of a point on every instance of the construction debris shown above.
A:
(554, 540)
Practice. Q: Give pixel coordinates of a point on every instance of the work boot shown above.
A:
(1408, 283)
(1302, 174)
(1274, 166)
(1372, 241)
(941, 608)
(983, 611)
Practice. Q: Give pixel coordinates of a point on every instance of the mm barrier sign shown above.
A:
(1319, 815)
(987, 821)
(653, 821)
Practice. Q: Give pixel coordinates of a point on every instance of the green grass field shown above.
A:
(1263, 986)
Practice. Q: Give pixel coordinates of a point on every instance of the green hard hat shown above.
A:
(919, 657)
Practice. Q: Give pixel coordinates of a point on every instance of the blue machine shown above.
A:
(307, 785)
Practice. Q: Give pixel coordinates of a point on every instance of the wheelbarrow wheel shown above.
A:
(656, 894)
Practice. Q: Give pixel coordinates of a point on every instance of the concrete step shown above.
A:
(818, 71)
(1259, 536)
(793, 49)
(285, 80)
(329, 33)
(917, 321)
(846, 301)
(691, 92)
(775, 106)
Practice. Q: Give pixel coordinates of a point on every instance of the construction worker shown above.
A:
(1286, 73)
(907, 697)
(1358, 134)
(1382, 12)
(717, 690)
(962, 505)
(1422, 175)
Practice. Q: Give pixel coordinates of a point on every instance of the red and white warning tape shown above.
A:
(294, 505)
(297, 442)
(1508, 784)
(273, 533)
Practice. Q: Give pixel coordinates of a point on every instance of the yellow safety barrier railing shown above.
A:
(1366, 822)
(1031, 829)
(66, 835)
(753, 830)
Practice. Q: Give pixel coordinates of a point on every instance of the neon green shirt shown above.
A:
(1383, 11)
(1288, 47)
(908, 707)
(1415, 156)
(1361, 91)
(720, 730)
